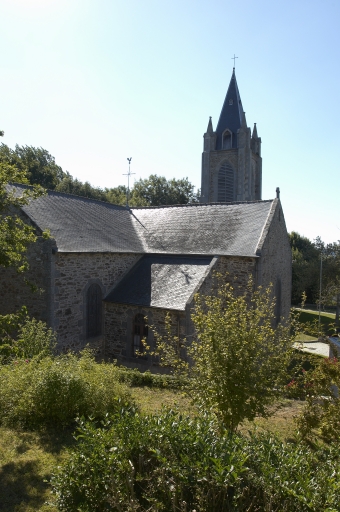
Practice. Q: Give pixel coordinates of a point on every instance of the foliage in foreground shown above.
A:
(239, 357)
(55, 390)
(171, 462)
(134, 377)
(322, 411)
(22, 337)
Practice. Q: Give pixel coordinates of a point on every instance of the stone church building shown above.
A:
(108, 271)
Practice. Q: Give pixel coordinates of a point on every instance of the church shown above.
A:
(109, 272)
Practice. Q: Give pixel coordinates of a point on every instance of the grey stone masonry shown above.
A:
(231, 159)
(15, 292)
(73, 274)
(119, 330)
(275, 259)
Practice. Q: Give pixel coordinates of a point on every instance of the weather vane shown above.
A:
(128, 175)
(233, 58)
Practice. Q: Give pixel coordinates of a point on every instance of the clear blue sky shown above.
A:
(97, 81)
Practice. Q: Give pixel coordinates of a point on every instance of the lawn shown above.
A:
(308, 316)
(27, 458)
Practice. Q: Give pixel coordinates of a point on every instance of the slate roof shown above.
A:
(161, 281)
(79, 224)
(231, 115)
(215, 229)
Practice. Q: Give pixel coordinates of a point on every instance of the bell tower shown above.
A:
(231, 158)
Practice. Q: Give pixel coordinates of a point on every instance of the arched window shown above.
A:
(94, 311)
(225, 184)
(140, 331)
(227, 140)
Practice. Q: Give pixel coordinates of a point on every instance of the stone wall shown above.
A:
(235, 270)
(275, 262)
(119, 320)
(73, 274)
(16, 293)
(247, 168)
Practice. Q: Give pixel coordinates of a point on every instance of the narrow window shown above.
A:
(278, 300)
(226, 140)
(94, 311)
(140, 331)
(225, 184)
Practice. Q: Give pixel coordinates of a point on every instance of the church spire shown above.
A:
(210, 126)
(254, 135)
(231, 116)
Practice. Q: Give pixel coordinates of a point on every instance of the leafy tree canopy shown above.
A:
(306, 271)
(39, 167)
(15, 234)
(37, 164)
(157, 190)
(238, 359)
(305, 268)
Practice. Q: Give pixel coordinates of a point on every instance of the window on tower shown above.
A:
(227, 140)
(225, 184)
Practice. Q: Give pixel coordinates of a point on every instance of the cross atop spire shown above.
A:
(233, 58)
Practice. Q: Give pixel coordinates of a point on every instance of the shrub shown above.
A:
(23, 337)
(55, 390)
(170, 462)
(322, 410)
(133, 377)
(239, 355)
(34, 338)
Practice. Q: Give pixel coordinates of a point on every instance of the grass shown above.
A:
(26, 461)
(316, 313)
(305, 337)
(308, 316)
(27, 458)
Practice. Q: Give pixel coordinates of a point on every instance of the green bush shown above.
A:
(34, 338)
(55, 390)
(169, 462)
(22, 337)
(133, 377)
(321, 414)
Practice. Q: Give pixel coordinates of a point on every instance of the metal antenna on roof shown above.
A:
(234, 59)
(128, 175)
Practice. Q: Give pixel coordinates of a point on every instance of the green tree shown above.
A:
(116, 195)
(37, 164)
(15, 236)
(157, 190)
(331, 277)
(305, 268)
(239, 359)
(154, 191)
(71, 185)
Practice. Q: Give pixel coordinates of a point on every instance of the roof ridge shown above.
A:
(199, 204)
(57, 192)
